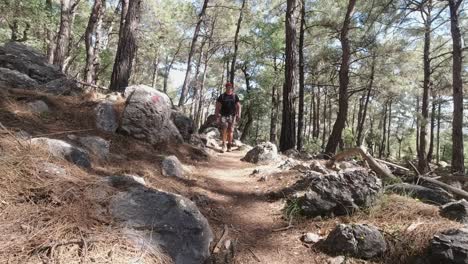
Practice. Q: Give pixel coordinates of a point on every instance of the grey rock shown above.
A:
(291, 153)
(23, 135)
(449, 247)
(147, 116)
(64, 150)
(358, 240)
(457, 211)
(311, 238)
(172, 167)
(425, 194)
(262, 153)
(318, 167)
(336, 260)
(210, 121)
(196, 140)
(28, 69)
(337, 194)
(96, 145)
(13, 79)
(126, 181)
(51, 169)
(168, 220)
(38, 106)
(106, 117)
(184, 124)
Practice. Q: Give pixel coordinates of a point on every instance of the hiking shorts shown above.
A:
(228, 122)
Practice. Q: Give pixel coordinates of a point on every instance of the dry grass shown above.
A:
(58, 219)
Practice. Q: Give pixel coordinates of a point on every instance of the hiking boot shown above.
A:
(223, 148)
(229, 147)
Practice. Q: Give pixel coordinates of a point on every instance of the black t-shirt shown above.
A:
(228, 104)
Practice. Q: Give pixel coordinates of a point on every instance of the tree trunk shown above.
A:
(274, 106)
(127, 48)
(248, 112)
(324, 119)
(288, 123)
(154, 79)
(384, 131)
(362, 118)
(191, 52)
(50, 33)
(457, 85)
(300, 121)
(423, 164)
(92, 41)
(312, 123)
(439, 106)
(389, 127)
(340, 122)
(236, 43)
(433, 119)
(316, 132)
(67, 11)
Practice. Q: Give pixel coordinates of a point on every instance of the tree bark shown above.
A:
(300, 121)
(50, 34)
(439, 106)
(340, 122)
(362, 118)
(458, 160)
(389, 127)
(430, 154)
(191, 52)
(67, 11)
(316, 132)
(92, 41)
(127, 47)
(288, 123)
(423, 164)
(236, 43)
(384, 131)
(274, 106)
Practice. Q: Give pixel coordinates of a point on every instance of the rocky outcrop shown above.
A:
(358, 240)
(457, 211)
(64, 150)
(449, 247)
(147, 116)
(337, 193)
(24, 67)
(38, 106)
(425, 194)
(262, 153)
(163, 220)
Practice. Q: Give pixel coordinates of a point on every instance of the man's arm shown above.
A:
(238, 110)
(217, 109)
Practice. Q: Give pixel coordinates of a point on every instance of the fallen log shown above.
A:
(373, 163)
(392, 164)
(446, 187)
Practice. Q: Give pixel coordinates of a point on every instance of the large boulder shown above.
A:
(337, 193)
(184, 124)
(24, 67)
(164, 220)
(358, 240)
(64, 150)
(147, 116)
(457, 211)
(449, 247)
(262, 153)
(106, 117)
(425, 194)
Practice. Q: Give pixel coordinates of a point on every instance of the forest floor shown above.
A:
(224, 188)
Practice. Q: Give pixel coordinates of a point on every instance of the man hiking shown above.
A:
(228, 110)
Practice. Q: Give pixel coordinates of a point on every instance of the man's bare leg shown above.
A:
(224, 137)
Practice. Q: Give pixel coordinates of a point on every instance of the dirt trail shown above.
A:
(232, 196)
